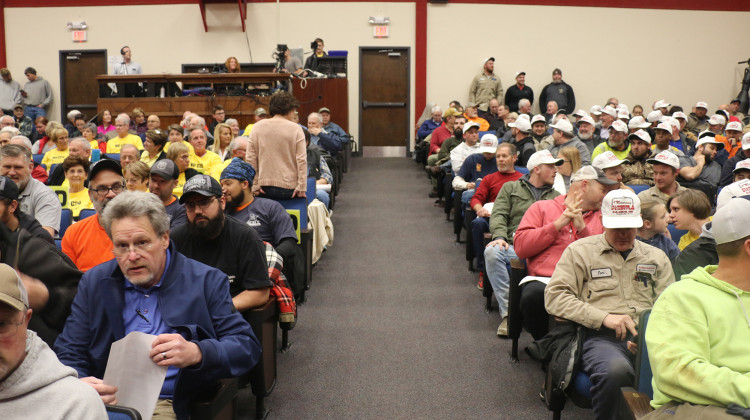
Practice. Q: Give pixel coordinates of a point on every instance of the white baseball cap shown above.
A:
(717, 119)
(592, 173)
(732, 220)
(606, 160)
(542, 157)
(522, 124)
(640, 135)
(596, 110)
(701, 105)
(638, 122)
(488, 144)
(734, 126)
(587, 119)
(746, 141)
(620, 126)
(609, 111)
(706, 139)
(661, 103)
(623, 114)
(538, 118)
(563, 125)
(654, 116)
(621, 107)
(518, 73)
(621, 209)
(470, 124)
(580, 113)
(524, 117)
(680, 114)
(665, 158)
(665, 126)
(486, 59)
(743, 165)
(735, 189)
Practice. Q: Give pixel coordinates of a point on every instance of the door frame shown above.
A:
(62, 59)
(408, 94)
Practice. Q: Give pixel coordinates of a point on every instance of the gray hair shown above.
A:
(84, 143)
(90, 126)
(136, 204)
(7, 117)
(436, 108)
(123, 118)
(14, 151)
(316, 116)
(230, 121)
(23, 139)
(523, 102)
(129, 146)
(73, 113)
(235, 143)
(201, 120)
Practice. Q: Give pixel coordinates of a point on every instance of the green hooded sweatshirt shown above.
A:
(698, 339)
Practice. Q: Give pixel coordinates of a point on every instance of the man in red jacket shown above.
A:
(547, 228)
(506, 157)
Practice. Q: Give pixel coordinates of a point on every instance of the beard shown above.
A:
(707, 154)
(206, 228)
(233, 203)
(585, 136)
(458, 133)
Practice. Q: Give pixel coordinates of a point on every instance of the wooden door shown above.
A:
(384, 101)
(78, 87)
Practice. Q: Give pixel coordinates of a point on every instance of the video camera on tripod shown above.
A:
(743, 95)
(278, 55)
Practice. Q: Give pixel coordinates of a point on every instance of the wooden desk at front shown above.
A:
(312, 94)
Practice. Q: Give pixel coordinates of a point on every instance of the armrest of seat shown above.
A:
(634, 404)
(306, 242)
(263, 320)
(217, 404)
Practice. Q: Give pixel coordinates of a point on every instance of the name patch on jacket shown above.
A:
(598, 273)
(646, 268)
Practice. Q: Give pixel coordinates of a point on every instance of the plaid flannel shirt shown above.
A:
(280, 290)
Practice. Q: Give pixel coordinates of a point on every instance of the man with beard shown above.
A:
(86, 242)
(485, 86)
(444, 155)
(222, 242)
(35, 199)
(562, 136)
(586, 133)
(729, 166)
(558, 91)
(608, 116)
(698, 119)
(521, 130)
(636, 170)
(163, 180)
(616, 142)
(471, 114)
(702, 166)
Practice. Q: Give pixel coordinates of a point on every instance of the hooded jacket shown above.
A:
(697, 339)
(43, 388)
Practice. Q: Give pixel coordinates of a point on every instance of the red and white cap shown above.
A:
(586, 119)
(609, 111)
(654, 116)
(734, 126)
(538, 118)
(621, 209)
(735, 189)
(469, 125)
(488, 144)
(595, 110)
(621, 107)
(680, 114)
(661, 103)
(705, 138)
(638, 122)
(606, 160)
(563, 125)
(743, 165)
(522, 124)
(701, 105)
(580, 113)
(746, 141)
(717, 119)
(640, 135)
(542, 157)
(623, 114)
(620, 126)
(666, 158)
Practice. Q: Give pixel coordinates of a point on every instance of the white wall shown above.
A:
(164, 37)
(636, 55)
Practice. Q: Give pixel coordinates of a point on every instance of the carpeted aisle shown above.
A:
(394, 325)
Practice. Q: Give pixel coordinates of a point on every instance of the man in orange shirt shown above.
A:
(86, 242)
(472, 115)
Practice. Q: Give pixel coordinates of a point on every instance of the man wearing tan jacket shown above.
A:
(604, 282)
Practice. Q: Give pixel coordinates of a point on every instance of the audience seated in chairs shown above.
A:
(59, 137)
(689, 210)
(654, 229)
(318, 169)
(550, 226)
(571, 159)
(476, 166)
(77, 147)
(162, 181)
(666, 166)
(204, 338)
(137, 176)
(122, 124)
(76, 169)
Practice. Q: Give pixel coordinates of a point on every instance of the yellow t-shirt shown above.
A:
(94, 144)
(204, 164)
(78, 201)
(53, 157)
(248, 129)
(177, 191)
(115, 144)
(688, 238)
(218, 169)
(149, 161)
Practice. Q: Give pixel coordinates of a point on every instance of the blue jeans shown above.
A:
(466, 196)
(323, 197)
(496, 260)
(277, 193)
(609, 365)
(33, 113)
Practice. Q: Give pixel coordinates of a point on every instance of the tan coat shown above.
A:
(592, 280)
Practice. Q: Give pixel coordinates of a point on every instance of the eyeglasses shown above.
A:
(8, 328)
(140, 248)
(203, 204)
(102, 191)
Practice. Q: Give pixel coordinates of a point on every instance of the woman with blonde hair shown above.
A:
(222, 137)
(571, 163)
(58, 136)
(136, 176)
(180, 155)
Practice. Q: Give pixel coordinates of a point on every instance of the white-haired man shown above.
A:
(122, 125)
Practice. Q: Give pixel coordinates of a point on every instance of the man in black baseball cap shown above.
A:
(12, 216)
(163, 180)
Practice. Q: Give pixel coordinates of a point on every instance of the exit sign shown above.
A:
(79, 36)
(380, 31)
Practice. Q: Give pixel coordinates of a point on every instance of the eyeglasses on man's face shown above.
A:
(103, 191)
(204, 204)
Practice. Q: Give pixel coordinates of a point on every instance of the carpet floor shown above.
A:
(394, 326)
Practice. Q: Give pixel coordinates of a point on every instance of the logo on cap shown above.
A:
(622, 206)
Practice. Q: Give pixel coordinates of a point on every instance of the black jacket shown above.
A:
(514, 94)
(560, 350)
(561, 93)
(727, 176)
(525, 148)
(700, 253)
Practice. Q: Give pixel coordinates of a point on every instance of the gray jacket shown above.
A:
(10, 94)
(38, 92)
(578, 144)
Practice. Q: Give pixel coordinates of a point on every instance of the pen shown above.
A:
(138, 311)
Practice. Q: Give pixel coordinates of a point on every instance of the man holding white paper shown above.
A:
(151, 288)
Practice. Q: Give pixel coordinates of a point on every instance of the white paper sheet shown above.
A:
(324, 187)
(137, 377)
(527, 279)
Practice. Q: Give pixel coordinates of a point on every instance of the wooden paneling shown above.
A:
(318, 93)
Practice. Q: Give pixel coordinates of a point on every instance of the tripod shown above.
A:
(743, 95)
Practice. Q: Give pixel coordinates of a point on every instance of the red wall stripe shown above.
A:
(420, 58)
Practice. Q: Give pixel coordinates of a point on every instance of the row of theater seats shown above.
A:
(223, 402)
(635, 401)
